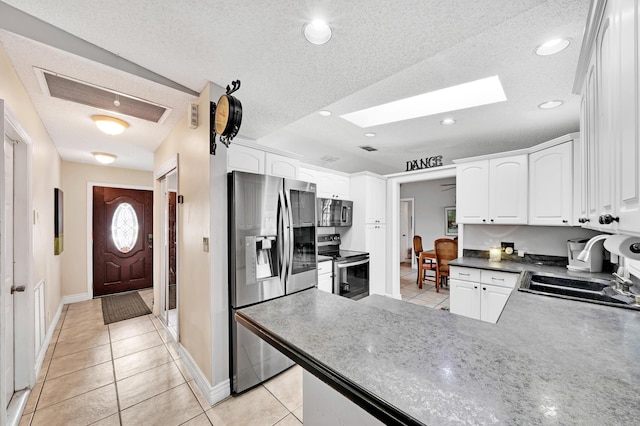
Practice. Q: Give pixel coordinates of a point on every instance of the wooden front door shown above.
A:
(122, 240)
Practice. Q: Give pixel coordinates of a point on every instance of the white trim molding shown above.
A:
(214, 394)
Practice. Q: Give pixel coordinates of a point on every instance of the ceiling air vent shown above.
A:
(87, 94)
(368, 148)
(329, 159)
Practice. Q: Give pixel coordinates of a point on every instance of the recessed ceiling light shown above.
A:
(550, 104)
(324, 113)
(448, 122)
(480, 92)
(110, 125)
(553, 46)
(317, 32)
(104, 157)
(370, 134)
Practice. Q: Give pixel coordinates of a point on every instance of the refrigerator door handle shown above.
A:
(282, 239)
(289, 232)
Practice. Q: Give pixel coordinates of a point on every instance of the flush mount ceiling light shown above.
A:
(480, 92)
(370, 134)
(324, 113)
(550, 104)
(448, 122)
(552, 47)
(104, 157)
(110, 125)
(317, 31)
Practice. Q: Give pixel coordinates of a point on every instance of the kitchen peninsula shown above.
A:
(547, 360)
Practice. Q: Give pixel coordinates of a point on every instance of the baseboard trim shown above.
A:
(214, 394)
(75, 298)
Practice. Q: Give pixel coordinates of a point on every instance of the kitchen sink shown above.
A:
(592, 290)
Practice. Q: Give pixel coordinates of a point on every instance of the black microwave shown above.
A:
(333, 212)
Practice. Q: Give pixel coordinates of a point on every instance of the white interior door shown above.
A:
(404, 230)
(7, 309)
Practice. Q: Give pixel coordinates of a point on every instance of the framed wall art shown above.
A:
(450, 224)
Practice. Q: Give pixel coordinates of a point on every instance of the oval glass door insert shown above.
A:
(124, 227)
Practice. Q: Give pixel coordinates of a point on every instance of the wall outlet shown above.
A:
(205, 244)
(521, 253)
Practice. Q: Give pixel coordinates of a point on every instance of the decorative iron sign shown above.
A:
(424, 163)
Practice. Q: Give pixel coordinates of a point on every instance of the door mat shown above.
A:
(123, 307)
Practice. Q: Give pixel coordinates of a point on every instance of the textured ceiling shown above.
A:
(381, 51)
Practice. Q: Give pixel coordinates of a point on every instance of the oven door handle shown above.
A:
(349, 264)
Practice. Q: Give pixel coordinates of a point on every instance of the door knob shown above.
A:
(19, 288)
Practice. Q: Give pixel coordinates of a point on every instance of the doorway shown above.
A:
(122, 240)
(406, 230)
(17, 335)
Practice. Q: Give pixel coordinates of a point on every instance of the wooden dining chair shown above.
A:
(426, 266)
(446, 249)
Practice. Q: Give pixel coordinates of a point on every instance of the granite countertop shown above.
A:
(518, 267)
(547, 361)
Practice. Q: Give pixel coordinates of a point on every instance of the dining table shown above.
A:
(426, 255)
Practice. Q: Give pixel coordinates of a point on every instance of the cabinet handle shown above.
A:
(484, 288)
(475, 286)
(497, 279)
(484, 220)
(565, 221)
(491, 220)
(584, 220)
(464, 275)
(607, 219)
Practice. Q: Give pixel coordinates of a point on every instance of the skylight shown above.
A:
(467, 95)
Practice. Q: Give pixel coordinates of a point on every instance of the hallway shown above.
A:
(130, 373)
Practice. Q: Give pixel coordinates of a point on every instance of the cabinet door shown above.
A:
(341, 185)
(464, 298)
(279, 165)
(608, 79)
(376, 190)
(307, 175)
(551, 186)
(492, 301)
(472, 192)
(324, 186)
(628, 154)
(376, 246)
(245, 159)
(508, 199)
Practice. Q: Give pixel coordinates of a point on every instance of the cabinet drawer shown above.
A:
(325, 267)
(464, 274)
(502, 279)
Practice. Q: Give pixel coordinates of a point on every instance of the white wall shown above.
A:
(430, 199)
(547, 240)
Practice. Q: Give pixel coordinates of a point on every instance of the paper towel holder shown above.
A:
(623, 245)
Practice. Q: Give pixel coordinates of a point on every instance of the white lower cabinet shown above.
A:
(480, 294)
(325, 276)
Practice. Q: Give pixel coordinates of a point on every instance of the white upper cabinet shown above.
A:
(472, 192)
(376, 190)
(608, 80)
(245, 159)
(329, 184)
(493, 191)
(551, 186)
(279, 165)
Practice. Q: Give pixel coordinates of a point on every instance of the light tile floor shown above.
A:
(130, 373)
(426, 296)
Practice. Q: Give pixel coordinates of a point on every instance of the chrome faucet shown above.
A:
(586, 252)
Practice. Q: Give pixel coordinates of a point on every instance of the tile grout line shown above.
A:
(113, 370)
(281, 403)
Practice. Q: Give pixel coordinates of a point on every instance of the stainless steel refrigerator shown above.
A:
(272, 253)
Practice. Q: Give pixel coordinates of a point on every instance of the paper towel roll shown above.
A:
(624, 245)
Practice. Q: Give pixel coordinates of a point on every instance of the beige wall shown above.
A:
(46, 176)
(75, 180)
(192, 145)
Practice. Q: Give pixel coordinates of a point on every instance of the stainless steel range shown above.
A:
(350, 268)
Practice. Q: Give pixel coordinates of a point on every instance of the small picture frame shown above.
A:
(450, 224)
